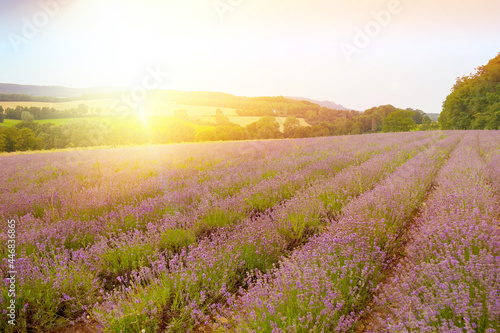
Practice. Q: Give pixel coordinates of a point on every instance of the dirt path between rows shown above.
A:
(373, 320)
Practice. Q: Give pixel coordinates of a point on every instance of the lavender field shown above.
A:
(368, 233)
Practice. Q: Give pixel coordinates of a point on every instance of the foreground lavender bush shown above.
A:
(450, 280)
(316, 290)
(51, 292)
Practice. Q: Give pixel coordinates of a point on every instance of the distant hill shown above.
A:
(328, 104)
(52, 91)
(433, 116)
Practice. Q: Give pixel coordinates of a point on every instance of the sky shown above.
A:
(360, 54)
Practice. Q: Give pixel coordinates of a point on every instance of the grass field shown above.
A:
(9, 122)
(198, 237)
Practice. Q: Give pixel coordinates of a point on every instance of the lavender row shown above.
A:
(325, 285)
(490, 150)
(195, 283)
(450, 279)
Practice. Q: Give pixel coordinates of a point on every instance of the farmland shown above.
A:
(111, 108)
(380, 232)
(239, 120)
(108, 104)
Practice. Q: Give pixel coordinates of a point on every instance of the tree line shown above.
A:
(40, 113)
(29, 98)
(474, 101)
(132, 130)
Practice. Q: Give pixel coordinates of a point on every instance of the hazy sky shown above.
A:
(357, 53)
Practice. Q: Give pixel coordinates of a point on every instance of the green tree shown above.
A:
(399, 121)
(28, 140)
(265, 128)
(474, 102)
(225, 132)
(12, 139)
(383, 110)
(1, 114)
(27, 116)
